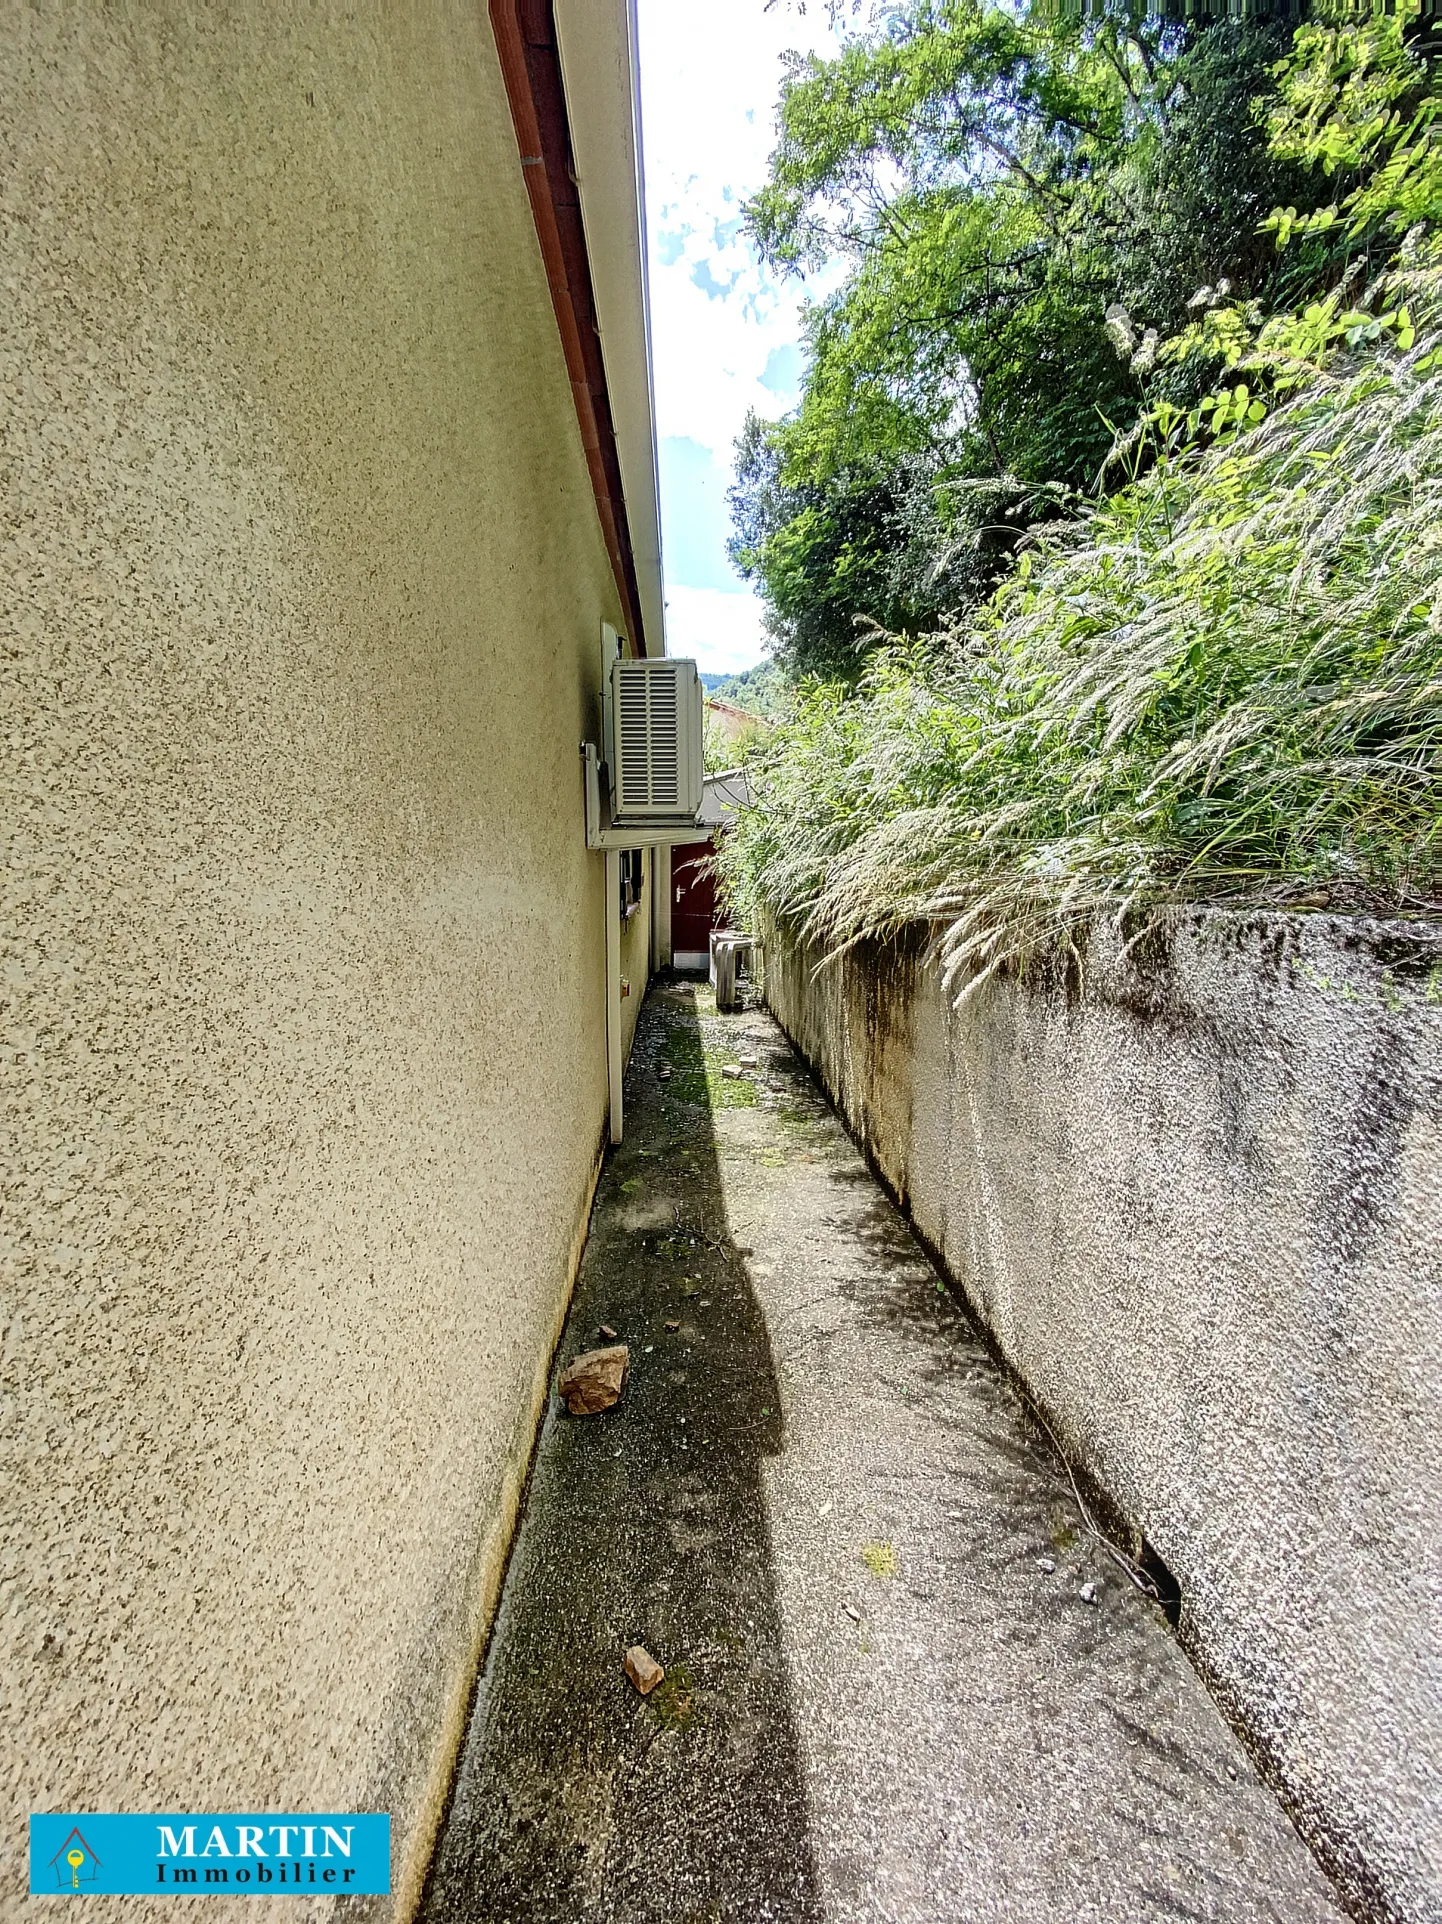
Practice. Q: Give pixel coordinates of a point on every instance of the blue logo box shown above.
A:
(90, 1854)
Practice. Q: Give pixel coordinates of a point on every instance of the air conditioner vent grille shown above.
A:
(657, 737)
(649, 750)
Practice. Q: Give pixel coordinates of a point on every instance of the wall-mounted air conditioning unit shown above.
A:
(643, 788)
(644, 779)
(656, 772)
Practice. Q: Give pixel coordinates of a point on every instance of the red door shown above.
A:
(693, 906)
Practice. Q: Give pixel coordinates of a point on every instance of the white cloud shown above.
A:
(711, 73)
(721, 632)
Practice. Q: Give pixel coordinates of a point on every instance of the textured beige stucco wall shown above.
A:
(302, 1030)
(1198, 1204)
(636, 954)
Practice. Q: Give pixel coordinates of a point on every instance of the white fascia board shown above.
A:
(600, 68)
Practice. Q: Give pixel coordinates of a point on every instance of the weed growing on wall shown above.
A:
(1224, 683)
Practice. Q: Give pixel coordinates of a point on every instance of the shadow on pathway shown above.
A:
(575, 1798)
(907, 1683)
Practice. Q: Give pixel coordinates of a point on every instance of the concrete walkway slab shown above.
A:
(904, 1681)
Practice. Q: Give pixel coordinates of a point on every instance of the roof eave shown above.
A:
(572, 76)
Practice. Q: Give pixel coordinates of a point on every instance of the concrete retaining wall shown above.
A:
(1195, 1194)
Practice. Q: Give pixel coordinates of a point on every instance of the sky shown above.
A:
(724, 333)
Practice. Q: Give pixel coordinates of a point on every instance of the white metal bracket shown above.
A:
(602, 832)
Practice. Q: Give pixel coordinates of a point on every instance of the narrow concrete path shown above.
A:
(821, 1506)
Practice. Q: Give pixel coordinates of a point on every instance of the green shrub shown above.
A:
(1225, 683)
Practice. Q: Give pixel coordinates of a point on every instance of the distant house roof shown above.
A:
(722, 795)
(733, 721)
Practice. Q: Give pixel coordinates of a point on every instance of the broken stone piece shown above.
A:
(730, 1071)
(592, 1383)
(643, 1669)
(1088, 1593)
(747, 1062)
(1046, 1565)
(607, 1331)
(673, 1327)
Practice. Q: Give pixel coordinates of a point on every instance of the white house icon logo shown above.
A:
(74, 1863)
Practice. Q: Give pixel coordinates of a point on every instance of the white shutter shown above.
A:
(657, 715)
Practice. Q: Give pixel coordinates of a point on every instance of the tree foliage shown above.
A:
(1361, 103)
(1362, 106)
(763, 691)
(1225, 682)
(993, 181)
(1222, 681)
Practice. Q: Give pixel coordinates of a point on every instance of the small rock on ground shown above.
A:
(593, 1382)
(643, 1669)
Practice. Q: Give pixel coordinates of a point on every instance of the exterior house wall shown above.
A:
(636, 953)
(303, 1076)
(661, 891)
(1195, 1195)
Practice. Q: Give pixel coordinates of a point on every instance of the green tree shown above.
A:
(1362, 102)
(1221, 680)
(995, 181)
(1362, 106)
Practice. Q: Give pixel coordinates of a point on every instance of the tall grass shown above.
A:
(1225, 683)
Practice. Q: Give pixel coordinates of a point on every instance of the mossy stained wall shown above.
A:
(1194, 1191)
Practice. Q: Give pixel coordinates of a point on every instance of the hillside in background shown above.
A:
(763, 690)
